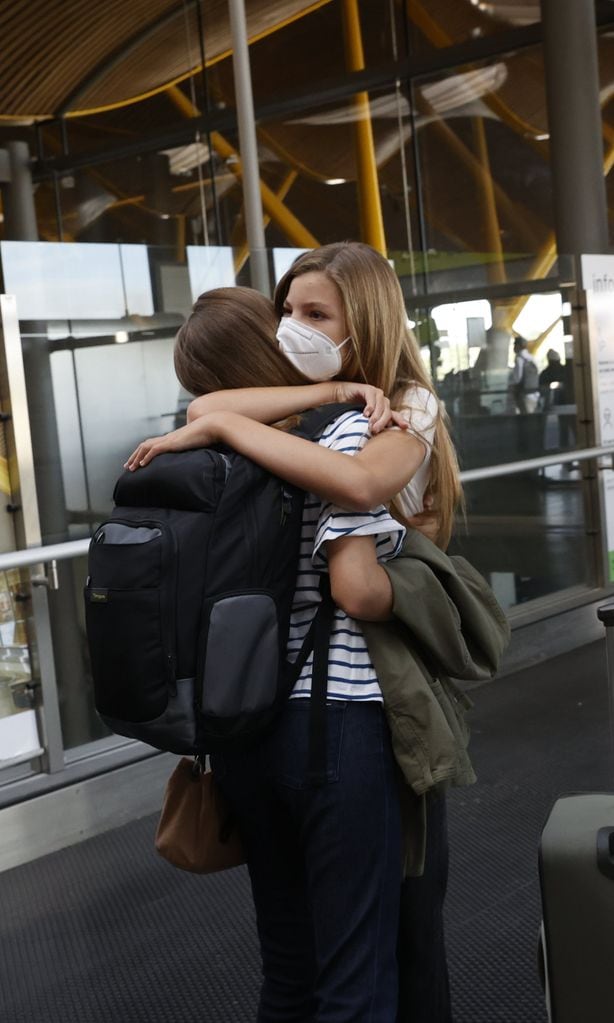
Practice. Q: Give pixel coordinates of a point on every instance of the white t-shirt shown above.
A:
(351, 675)
(420, 408)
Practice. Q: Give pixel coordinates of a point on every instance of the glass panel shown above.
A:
(97, 385)
(53, 281)
(486, 193)
(527, 533)
(18, 727)
(310, 49)
(439, 23)
(505, 373)
(185, 191)
(314, 157)
(157, 197)
(605, 43)
(98, 324)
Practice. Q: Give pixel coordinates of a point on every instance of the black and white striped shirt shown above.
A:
(351, 675)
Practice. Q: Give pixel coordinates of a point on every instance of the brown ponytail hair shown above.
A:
(229, 341)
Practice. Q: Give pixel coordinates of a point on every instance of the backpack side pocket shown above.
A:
(240, 665)
(129, 618)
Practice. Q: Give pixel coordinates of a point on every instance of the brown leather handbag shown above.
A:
(196, 830)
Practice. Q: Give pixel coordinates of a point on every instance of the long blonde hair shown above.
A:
(384, 351)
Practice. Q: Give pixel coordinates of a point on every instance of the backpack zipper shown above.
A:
(286, 505)
(251, 532)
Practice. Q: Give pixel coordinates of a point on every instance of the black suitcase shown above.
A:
(576, 866)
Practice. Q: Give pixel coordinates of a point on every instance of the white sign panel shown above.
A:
(283, 260)
(77, 280)
(210, 266)
(598, 282)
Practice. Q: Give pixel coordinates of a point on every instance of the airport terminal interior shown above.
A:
(472, 143)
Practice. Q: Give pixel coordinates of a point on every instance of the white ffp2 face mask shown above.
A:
(309, 350)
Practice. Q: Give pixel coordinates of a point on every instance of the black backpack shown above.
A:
(189, 596)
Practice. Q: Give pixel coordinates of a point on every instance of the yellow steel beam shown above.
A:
(496, 270)
(281, 193)
(180, 240)
(296, 232)
(371, 219)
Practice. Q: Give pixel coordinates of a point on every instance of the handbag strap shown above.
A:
(323, 621)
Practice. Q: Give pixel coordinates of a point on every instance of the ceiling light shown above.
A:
(121, 336)
(335, 181)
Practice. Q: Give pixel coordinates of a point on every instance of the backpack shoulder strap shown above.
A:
(319, 685)
(316, 419)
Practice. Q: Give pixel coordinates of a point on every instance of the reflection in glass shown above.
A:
(470, 347)
(18, 728)
(527, 533)
(439, 23)
(482, 149)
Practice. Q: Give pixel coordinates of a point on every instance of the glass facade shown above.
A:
(102, 320)
(138, 204)
(436, 24)
(461, 154)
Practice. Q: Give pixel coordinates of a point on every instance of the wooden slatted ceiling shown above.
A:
(50, 48)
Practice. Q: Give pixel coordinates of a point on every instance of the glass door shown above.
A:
(29, 726)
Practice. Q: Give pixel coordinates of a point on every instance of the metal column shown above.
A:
(574, 112)
(580, 207)
(254, 221)
(19, 208)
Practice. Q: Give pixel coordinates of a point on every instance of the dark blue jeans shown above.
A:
(325, 865)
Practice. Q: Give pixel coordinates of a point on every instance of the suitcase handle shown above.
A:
(605, 614)
(605, 851)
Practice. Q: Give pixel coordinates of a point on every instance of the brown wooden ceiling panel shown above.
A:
(98, 55)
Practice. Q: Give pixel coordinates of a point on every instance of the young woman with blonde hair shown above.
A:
(379, 349)
(325, 861)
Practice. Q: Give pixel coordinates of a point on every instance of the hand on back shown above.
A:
(198, 434)
(377, 405)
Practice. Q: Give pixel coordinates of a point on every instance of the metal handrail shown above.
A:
(43, 555)
(78, 548)
(510, 468)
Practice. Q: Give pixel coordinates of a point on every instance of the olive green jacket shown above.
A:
(447, 624)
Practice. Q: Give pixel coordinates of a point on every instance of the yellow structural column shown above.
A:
(371, 220)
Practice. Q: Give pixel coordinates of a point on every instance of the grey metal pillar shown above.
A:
(574, 113)
(248, 146)
(19, 209)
